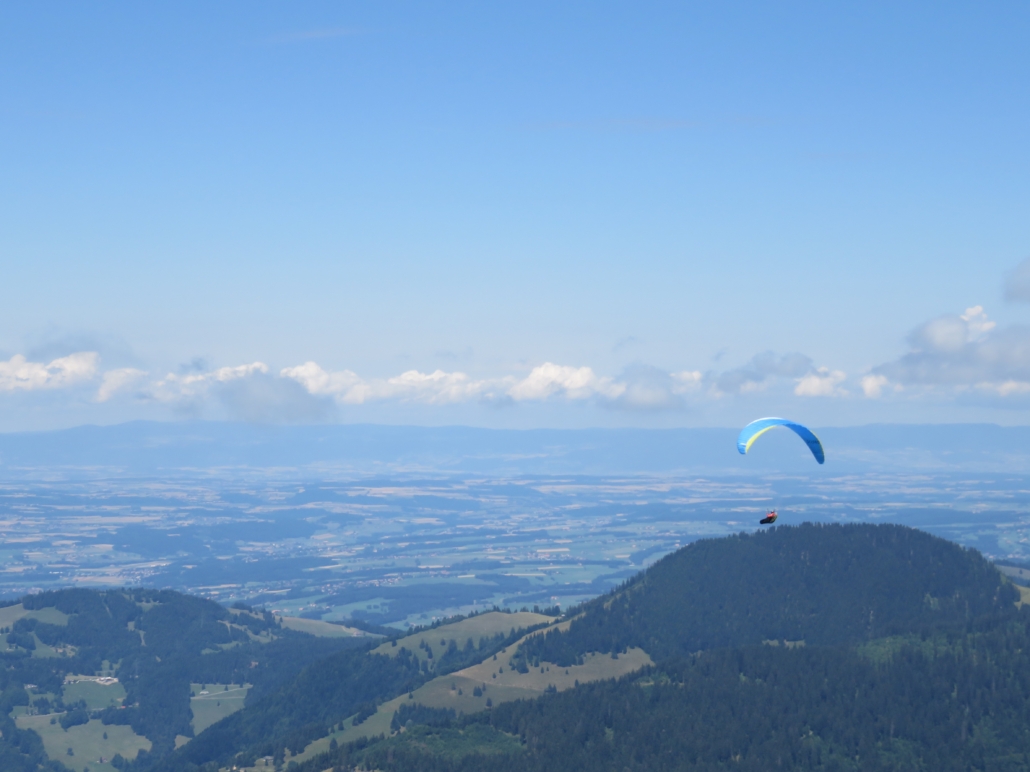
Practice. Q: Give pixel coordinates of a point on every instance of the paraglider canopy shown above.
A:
(756, 429)
(769, 519)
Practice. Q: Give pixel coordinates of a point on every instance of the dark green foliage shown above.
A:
(950, 690)
(365, 710)
(22, 750)
(12, 695)
(960, 703)
(457, 659)
(824, 584)
(303, 710)
(480, 744)
(178, 645)
(22, 638)
(75, 717)
(420, 714)
(915, 658)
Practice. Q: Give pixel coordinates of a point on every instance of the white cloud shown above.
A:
(308, 391)
(1006, 388)
(638, 387)
(440, 387)
(549, 380)
(118, 380)
(872, 385)
(822, 383)
(687, 381)
(435, 388)
(345, 385)
(175, 388)
(977, 323)
(19, 374)
(962, 353)
(242, 392)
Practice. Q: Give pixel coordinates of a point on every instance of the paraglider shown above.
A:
(756, 429)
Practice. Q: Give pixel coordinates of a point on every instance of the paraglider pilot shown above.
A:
(770, 518)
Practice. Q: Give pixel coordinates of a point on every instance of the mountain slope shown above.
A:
(80, 667)
(964, 707)
(915, 656)
(822, 584)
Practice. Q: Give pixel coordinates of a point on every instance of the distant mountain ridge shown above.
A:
(147, 448)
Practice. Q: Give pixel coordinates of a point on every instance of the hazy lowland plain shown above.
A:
(400, 525)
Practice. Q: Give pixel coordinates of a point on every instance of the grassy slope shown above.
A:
(11, 614)
(1024, 595)
(482, 625)
(87, 741)
(508, 685)
(51, 616)
(216, 704)
(501, 681)
(97, 696)
(320, 628)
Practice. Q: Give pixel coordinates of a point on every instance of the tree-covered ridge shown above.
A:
(915, 657)
(958, 702)
(156, 643)
(821, 584)
(302, 710)
(349, 685)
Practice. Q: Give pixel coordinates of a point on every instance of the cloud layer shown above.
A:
(958, 354)
(309, 392)
(19, 374)
(952, 357)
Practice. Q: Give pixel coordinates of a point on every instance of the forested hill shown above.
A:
(915, 656)
(125, 675)
(821, 584)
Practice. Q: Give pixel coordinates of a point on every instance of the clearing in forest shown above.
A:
(211, 703)
(86, 742)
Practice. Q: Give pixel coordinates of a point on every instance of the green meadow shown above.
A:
(86, 741)
(211, 703)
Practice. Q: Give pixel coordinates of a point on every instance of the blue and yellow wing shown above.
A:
(756, 429)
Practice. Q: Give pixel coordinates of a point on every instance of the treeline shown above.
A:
(457, 657)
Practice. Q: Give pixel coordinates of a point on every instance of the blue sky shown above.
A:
(514, 214)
